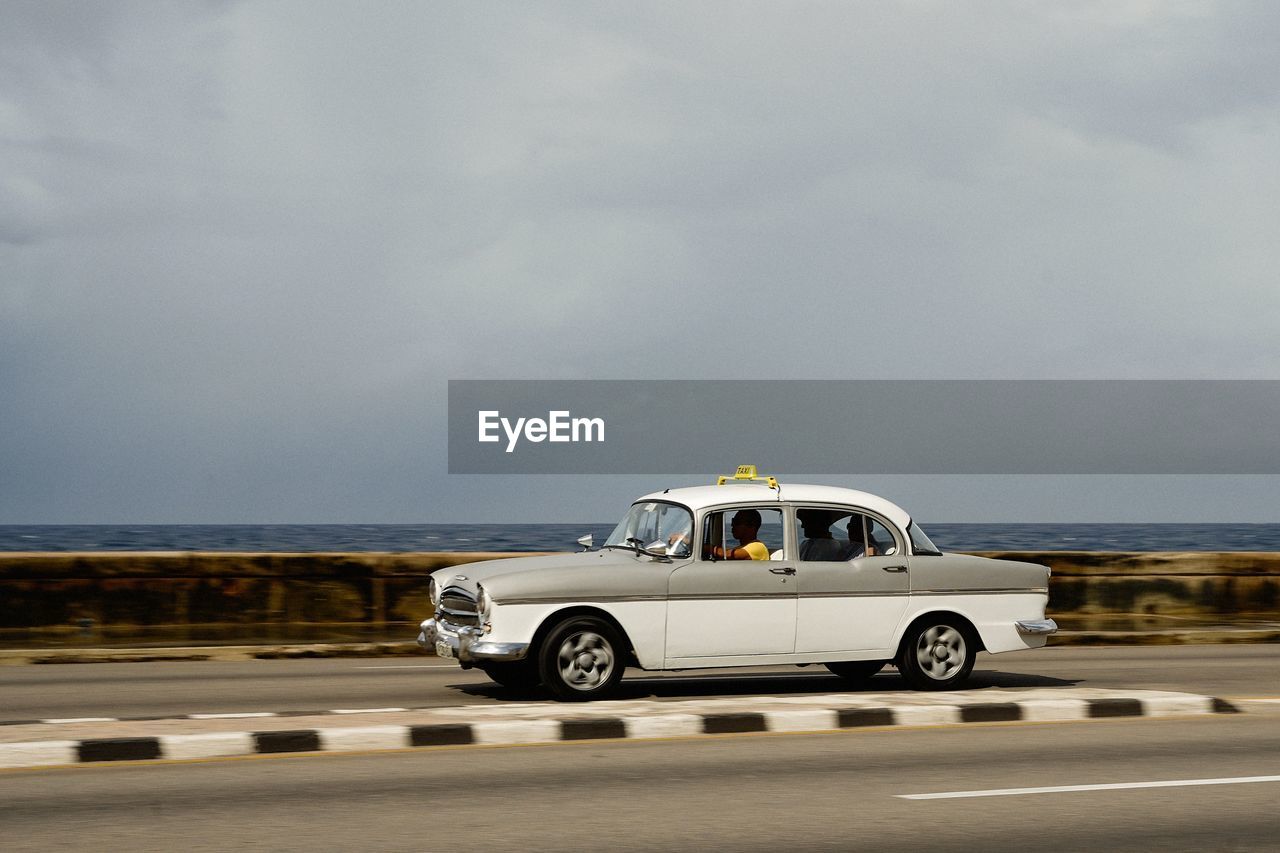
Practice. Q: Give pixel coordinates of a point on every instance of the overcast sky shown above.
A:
(244, 245)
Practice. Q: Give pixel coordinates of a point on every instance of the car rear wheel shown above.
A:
(856, 670)
(518, 675)
(937, 653)
(581, 658)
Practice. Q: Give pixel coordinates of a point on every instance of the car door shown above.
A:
(727, 608)
(854, 604)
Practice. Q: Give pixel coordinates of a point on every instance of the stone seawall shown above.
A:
(106, 598)
(103, 598)
(1159, 590)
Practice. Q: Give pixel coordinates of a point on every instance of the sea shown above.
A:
(563, 537)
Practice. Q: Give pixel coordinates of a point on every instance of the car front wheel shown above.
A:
(581, 659)
(937, 654)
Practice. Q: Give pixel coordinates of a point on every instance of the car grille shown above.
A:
(458, 607)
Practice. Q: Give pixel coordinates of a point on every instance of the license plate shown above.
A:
(443, 649)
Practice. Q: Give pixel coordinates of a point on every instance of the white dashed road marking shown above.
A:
(1113, 786)
(367, 710)
(81, 720)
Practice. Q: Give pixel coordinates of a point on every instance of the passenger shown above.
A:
(861, 543)
(745, 526)
(818, 542)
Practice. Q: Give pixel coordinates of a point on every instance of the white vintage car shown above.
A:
(745, 572)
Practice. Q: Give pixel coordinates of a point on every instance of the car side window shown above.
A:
(868, 537)
(720, 534)
(831, 535)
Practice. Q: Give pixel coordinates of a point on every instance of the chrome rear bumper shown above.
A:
(467, 644)
(1037, 626)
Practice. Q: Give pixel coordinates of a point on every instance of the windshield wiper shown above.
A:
(637, 546)
(632, 544)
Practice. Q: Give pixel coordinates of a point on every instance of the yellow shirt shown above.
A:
(758, 550)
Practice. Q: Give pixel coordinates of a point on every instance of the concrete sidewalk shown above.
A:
(63, 742)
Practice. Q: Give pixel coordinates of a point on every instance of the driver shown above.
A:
(745, 526)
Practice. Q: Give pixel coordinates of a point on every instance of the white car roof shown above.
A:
(701, 497)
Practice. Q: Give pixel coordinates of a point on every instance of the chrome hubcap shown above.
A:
(585, 660)
(940, 651)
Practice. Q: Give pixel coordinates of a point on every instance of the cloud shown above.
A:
(244, 245)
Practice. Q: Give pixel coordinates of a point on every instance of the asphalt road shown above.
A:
(749, 792)
(159, 689)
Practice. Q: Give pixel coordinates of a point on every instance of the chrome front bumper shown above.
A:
(1037, 626)
(467, 644)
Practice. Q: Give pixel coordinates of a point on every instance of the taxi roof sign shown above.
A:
(747, 474)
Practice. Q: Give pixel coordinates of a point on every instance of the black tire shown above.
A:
(517, 674)
(937, 653)
(856, 670)
(581, 658)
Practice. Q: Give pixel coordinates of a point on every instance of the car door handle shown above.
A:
(783, 570)
(894, 568)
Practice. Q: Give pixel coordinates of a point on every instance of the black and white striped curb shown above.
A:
(653, 725)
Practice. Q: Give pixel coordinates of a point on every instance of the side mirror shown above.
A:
(662, 548)
(585, 541)
(657, 548)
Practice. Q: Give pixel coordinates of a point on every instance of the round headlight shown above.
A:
(433, 592)
(482, 601)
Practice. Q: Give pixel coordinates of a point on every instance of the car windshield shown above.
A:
(920, 544)
(654, 521)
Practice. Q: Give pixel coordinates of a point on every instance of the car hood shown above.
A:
(553, 573)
